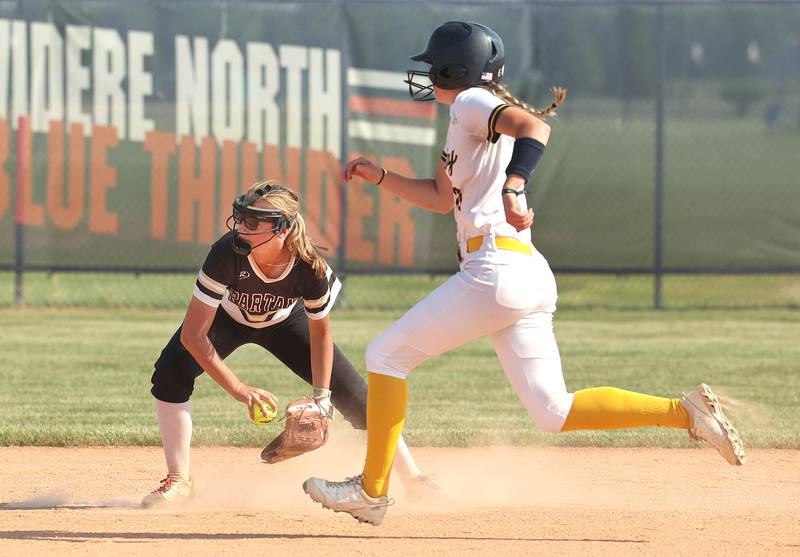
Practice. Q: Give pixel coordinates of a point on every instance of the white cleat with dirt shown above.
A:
(348, 497)
(707, 422)
(173, 491)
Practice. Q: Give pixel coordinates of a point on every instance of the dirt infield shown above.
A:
(510, 501)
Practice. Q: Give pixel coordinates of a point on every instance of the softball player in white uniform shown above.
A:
(504, 288)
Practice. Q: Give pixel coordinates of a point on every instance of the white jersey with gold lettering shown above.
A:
(476, 157)
(506, 294)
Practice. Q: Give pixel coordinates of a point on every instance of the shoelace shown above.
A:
(165, 486)
(354, 480)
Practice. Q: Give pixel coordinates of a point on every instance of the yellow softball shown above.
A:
(259, 418)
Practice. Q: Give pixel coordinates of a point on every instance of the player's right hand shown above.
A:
(363, 168)
(517, 218)
(253, 395)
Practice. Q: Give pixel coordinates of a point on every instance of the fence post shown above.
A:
(658, 239)
(22, 180)
(341, 258)
(19, 280)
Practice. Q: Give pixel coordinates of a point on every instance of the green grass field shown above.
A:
(81, 377)
(78, 356)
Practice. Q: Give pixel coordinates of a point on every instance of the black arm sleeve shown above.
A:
(526, 155)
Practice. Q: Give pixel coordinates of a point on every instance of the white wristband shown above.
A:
(321, 393)
(325, 405)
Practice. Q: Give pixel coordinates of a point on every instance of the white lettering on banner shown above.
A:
(227, 98)
(324, 101)
(191, 88)
(295, 60)
(19, 48)
(263, 80)
(59, 79)
(109, 71)
(140, 83)
(278, 95)
(47, 76)
(78, 39)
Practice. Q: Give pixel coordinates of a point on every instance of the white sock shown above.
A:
(403, 461)
(175, 423)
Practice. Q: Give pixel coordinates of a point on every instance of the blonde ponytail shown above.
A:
(501, 91)
(298, 241)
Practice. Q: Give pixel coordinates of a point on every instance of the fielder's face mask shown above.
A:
(247, 219)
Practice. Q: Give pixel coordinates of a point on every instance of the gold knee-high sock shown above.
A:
(387, 400)
(610, 408)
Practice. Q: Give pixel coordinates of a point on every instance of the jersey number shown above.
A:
(457, 196)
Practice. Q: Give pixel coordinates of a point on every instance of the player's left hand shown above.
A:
(514, 216)
(307, 427)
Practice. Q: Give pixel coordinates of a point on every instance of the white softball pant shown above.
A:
(506, 295)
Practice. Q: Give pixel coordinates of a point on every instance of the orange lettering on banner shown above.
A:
(272, 170)
(249, 166)
(286, 174)
(161, 146)
(77, 166)
(5, 190)
(396, 212)
(290, 177)
(28, 212)
(323, 222)
(64, 216)
(102, 177)
(229, 186)
(194, 190)
(360, 205)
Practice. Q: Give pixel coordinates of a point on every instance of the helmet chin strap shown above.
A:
(240, 247)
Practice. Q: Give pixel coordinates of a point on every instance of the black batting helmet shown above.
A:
(461, 54)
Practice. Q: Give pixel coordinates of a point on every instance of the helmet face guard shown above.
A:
(246, 219)
(420, 90)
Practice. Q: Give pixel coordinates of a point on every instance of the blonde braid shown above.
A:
(500, 90)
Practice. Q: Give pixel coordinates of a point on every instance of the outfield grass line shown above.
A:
(82, 377)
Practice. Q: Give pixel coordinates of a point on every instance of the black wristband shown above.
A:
(378, 183)
(512, 190)
(526, 155)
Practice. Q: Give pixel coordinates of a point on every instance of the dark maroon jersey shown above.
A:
(250, 298)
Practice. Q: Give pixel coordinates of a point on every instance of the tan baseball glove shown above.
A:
(307, 423)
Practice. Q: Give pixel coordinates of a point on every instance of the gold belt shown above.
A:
(502, 242)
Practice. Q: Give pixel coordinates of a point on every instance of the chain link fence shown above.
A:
(671, 177)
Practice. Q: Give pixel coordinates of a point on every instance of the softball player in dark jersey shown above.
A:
(262, 283)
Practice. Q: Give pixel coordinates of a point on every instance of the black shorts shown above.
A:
(176, 369)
